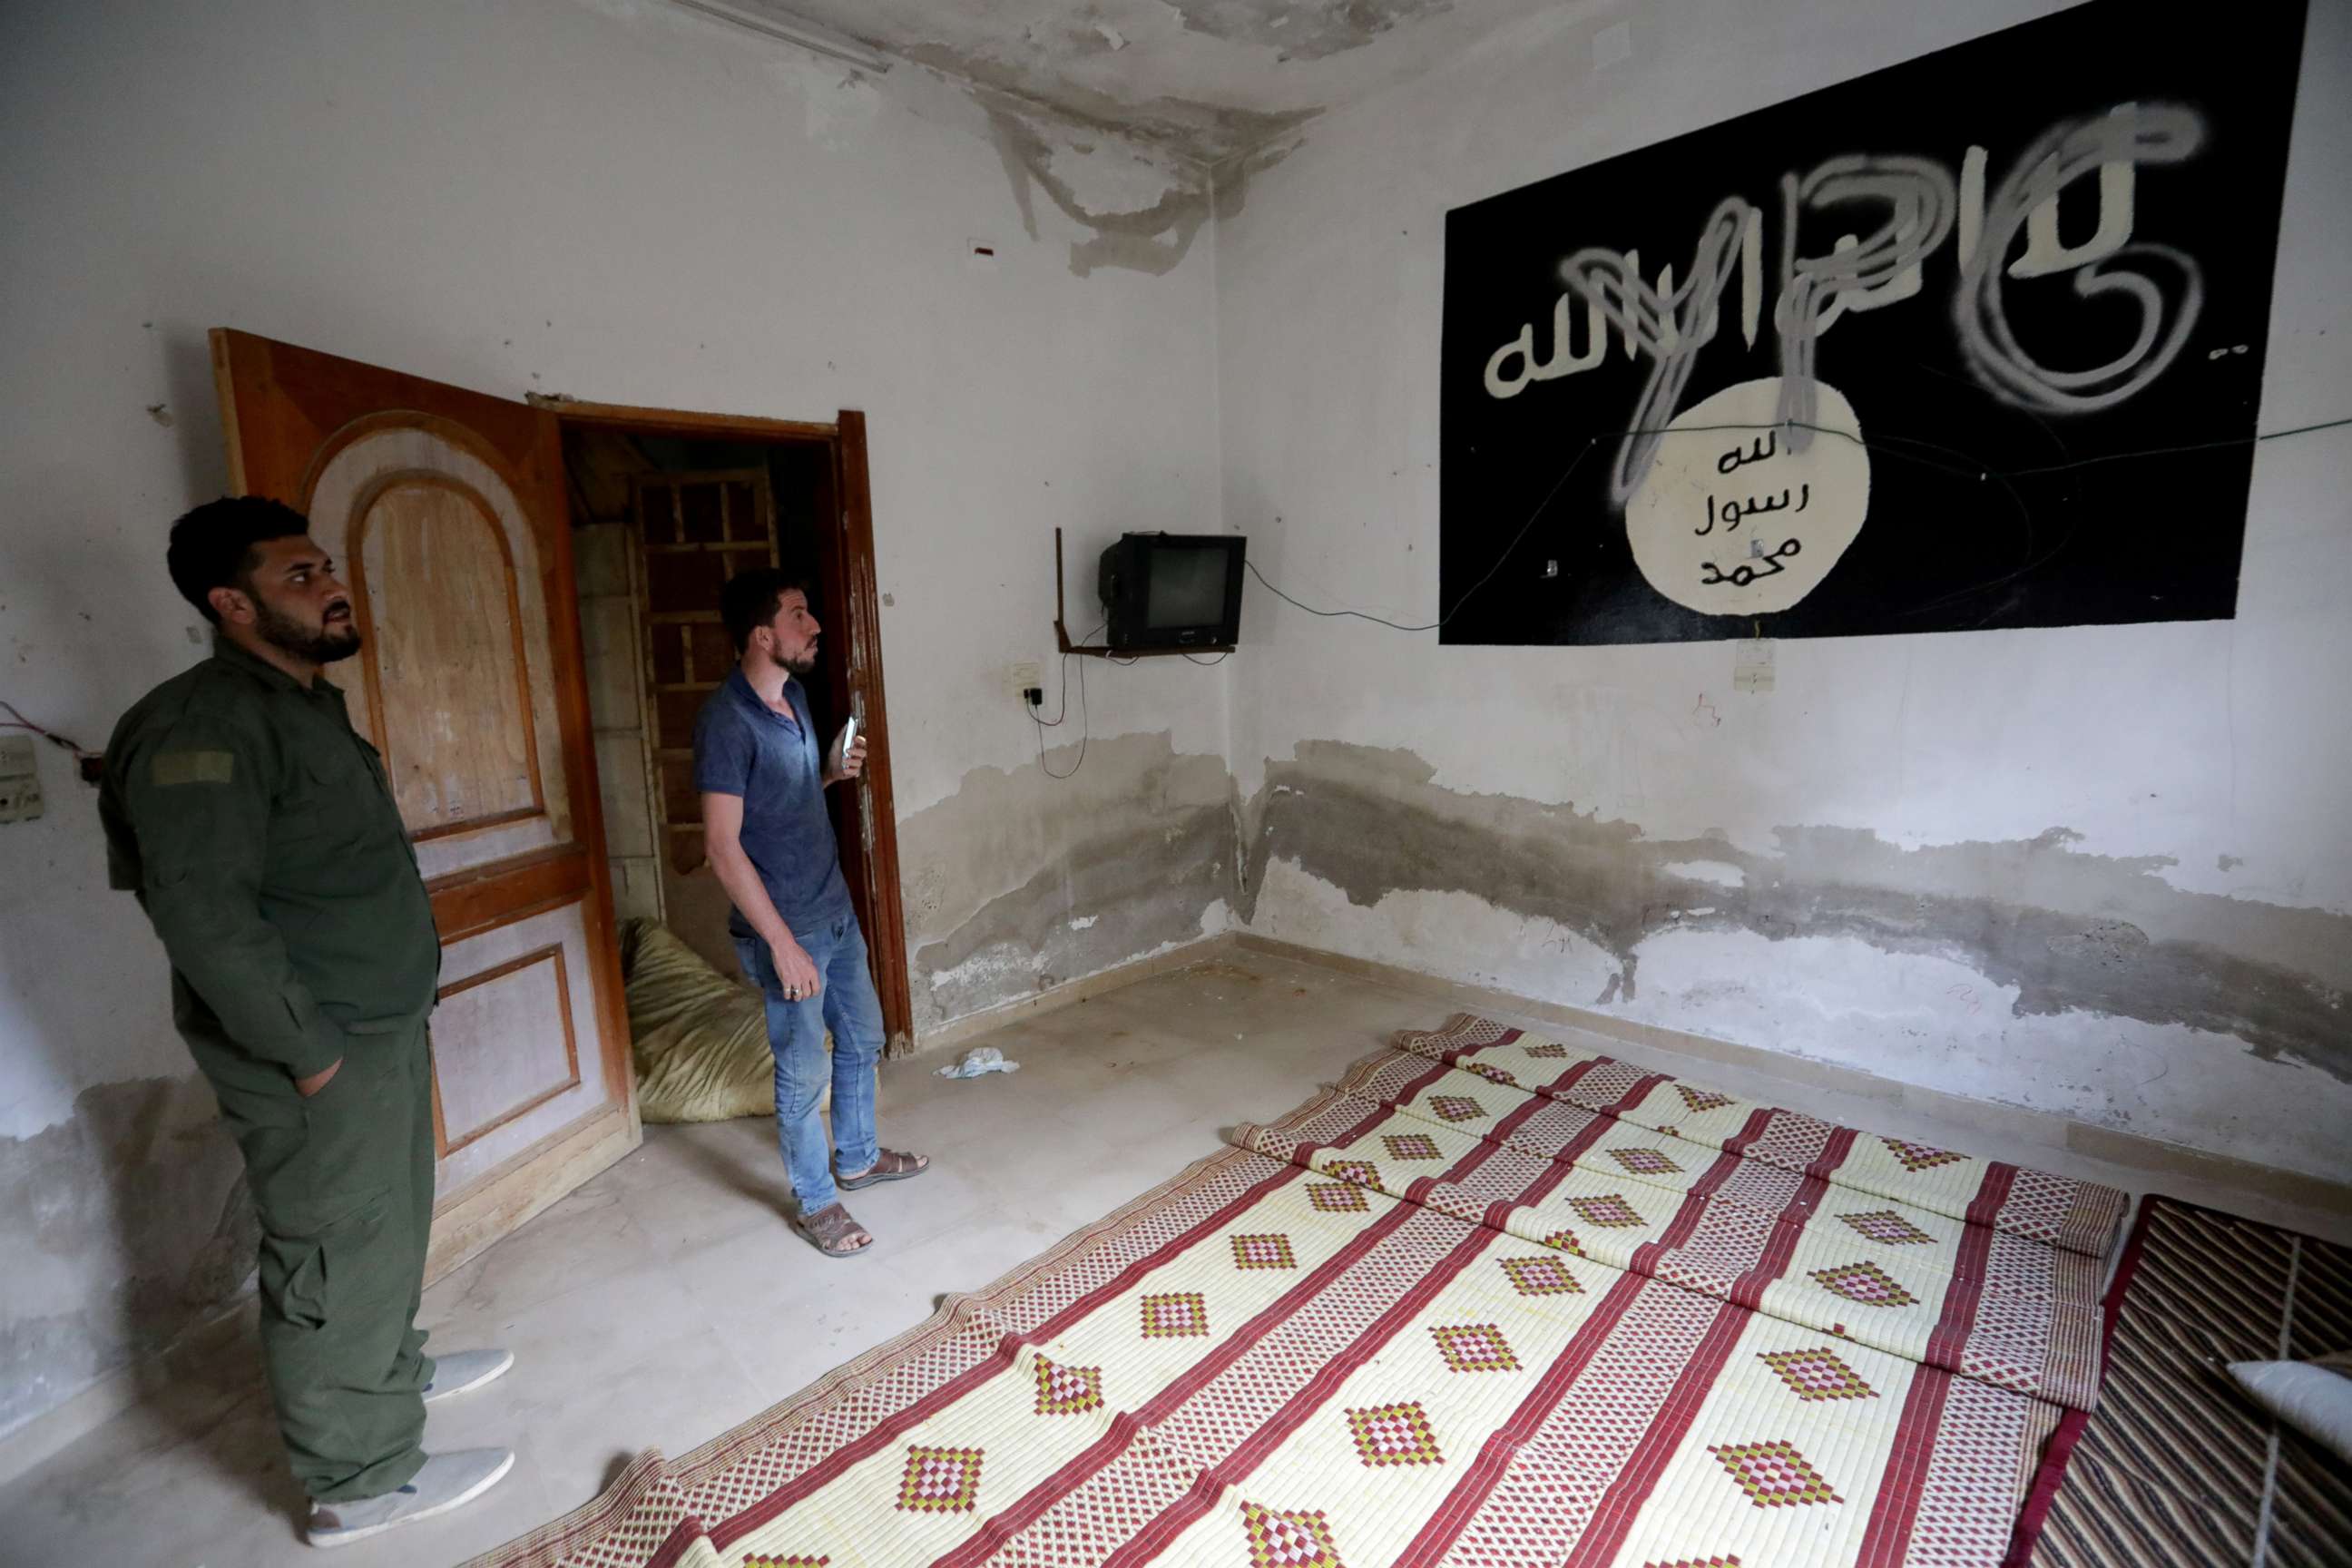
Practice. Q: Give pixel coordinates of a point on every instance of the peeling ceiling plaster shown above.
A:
(1205, 80)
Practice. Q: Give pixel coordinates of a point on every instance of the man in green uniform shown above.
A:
(259, 831)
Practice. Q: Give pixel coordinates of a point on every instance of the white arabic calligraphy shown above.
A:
(1670, 324)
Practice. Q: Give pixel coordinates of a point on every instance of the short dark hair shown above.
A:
(212, 545)
(750, 597)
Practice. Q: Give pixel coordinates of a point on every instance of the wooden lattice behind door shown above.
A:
(697, 529)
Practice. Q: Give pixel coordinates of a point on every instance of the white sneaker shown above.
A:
(462, 1371)
(446, 1481)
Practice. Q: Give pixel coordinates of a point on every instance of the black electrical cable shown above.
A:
(1481, 582)
(17, 720)
(1359, 614)
(1061, 713)
(1062, 710)
(1908, 448)
(2186, 447)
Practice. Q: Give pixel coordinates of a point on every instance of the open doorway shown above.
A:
(665, 508)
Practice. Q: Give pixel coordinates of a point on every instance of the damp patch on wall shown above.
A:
(2059, 931)
(1890, 357)
(1019, 881)
(125, 1224)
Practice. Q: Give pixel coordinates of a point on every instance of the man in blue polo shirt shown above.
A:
(763, 775)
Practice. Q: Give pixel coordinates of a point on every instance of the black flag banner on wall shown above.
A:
(1885, 358)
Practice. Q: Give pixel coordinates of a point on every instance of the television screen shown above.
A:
(1187, 585)
(1171, 592)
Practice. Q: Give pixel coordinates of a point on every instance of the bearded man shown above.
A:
(763, 774)
(259, 831)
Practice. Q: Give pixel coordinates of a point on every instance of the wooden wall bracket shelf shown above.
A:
(1062, 630)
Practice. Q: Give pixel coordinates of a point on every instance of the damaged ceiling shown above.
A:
(1205, 80)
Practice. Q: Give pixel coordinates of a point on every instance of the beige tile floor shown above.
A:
(667, 1300)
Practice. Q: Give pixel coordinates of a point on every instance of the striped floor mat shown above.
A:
(1490, 1301)
(2177, 1465)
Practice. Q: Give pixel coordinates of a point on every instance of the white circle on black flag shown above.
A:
(1731, 522)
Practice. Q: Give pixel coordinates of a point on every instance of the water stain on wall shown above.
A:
(1193, 128)
(1146, 236)
(124, 1225)
(1017, 881)
(2069, 931)
(1119, 174)
(1149, 238)
(1307, 30)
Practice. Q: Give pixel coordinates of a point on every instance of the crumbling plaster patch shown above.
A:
(1721, 873)
(1199, 92)
(1942, 1024)
(840, 105)
(1147, 235)
(1304, 29)
(123, 1226)
(2053, 929)
(1189, 132)
(1016, 882)
(1207, 79)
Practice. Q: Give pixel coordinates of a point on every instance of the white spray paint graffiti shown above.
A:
(1671, 323)
(2112, 144)
(1858, 275)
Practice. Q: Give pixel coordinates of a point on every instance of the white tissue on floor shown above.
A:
(978, 1060)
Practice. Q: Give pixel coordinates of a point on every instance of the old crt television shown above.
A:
(1172, 590)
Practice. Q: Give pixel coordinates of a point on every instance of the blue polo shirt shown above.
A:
(742, 747)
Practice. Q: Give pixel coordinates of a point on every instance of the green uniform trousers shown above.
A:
(344, 1185)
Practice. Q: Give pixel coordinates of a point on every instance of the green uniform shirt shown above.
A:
(258, 829)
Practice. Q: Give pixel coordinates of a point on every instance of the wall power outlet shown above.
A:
(1023, 677)
(20, 780)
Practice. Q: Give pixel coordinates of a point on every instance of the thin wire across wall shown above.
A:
(1928, 454)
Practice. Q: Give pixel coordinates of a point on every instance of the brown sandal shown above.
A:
(831, 1232)
(890, 1166)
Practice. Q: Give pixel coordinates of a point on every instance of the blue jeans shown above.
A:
(849, 1008)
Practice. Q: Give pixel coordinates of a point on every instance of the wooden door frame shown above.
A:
(858, 608)
(281, 405)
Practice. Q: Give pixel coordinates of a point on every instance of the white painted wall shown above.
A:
(2188, 741)
(620, 201)
(609, 198)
